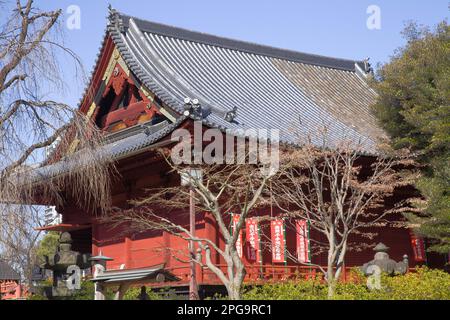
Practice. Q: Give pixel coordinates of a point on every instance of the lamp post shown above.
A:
(187, 176)
(99, 263)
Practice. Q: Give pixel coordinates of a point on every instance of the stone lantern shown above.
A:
(99, 265)
(65, 265)
(386, 264)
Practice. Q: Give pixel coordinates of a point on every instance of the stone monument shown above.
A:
(386, 264)
(66, 265)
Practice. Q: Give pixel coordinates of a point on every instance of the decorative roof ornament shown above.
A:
(367, 66)
(231, 115)
(115, 18)
(193, 108)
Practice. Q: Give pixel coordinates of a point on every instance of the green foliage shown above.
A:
(85, 293)
(48, 245)
(295, 290)
(423, 284)
(37, 297)
(39, 291)
(413, 106)
(133, 294)
(437, 190)
(414, 91)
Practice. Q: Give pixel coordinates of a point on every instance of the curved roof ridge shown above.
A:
(264, 88)
(239, 45)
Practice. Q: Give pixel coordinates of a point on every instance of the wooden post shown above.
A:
(99, 268)
(123, 288)
(19, 290)
(99, 291)
(193, 289)
(98, 287)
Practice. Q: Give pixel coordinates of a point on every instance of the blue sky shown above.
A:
(334, 28)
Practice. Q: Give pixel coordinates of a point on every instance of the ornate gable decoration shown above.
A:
(122, 101)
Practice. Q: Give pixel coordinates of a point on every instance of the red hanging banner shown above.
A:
(278, 240)
(235, 219)
(303, 249)
(418, 246)
(253, 241)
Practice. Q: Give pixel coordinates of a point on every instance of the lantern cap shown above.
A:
(381, 247)
(100, 257)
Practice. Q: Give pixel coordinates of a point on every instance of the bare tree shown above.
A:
(30, 50)
(19, 238)
(223, 189)
(339, 191)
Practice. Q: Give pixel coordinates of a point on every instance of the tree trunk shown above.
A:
(331, 282)
(234, 291)
(330, 263)
(236, 274)
(235, 284)
(331, 289)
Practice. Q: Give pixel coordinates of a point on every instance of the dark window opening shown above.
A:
(130, 95)
(125, 101)
(82, 240)
(105, 107)
(137, 97)
(158, 118)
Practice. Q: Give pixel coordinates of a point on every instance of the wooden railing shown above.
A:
(257, 274)
(254, 274)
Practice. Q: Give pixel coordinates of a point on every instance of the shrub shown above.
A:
(423, 284)
(292, 290)
(164, 294)
(85, 293)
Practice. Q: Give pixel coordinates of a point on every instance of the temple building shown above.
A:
(10, 284)
(144, 72)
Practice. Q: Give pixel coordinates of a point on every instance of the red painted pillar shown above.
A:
(19, 291)
(344, 271)
(95, 238)
(128, 262)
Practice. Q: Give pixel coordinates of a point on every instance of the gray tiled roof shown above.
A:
(118, 146)
(272, 88)
(129, 275)
(8, 273)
